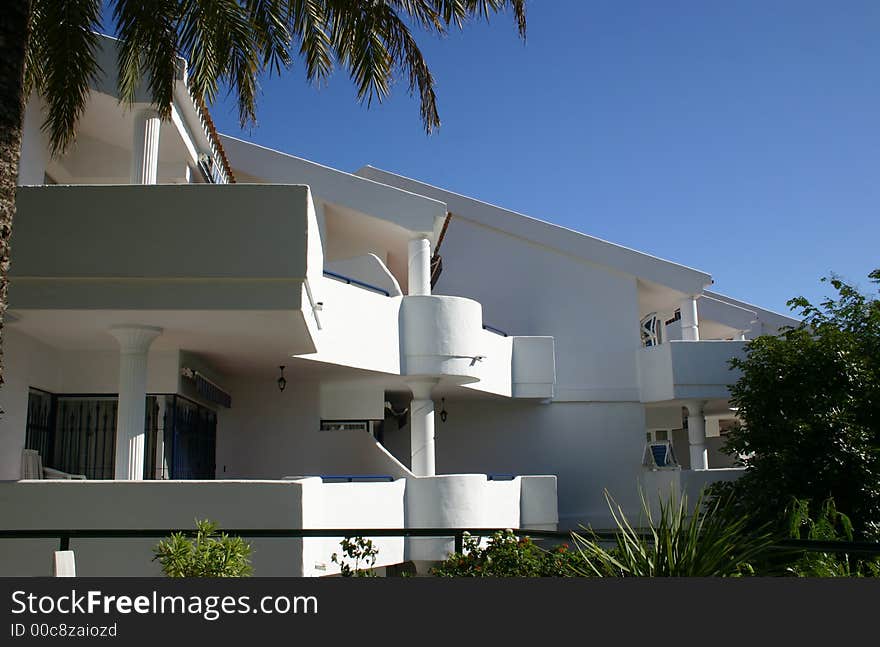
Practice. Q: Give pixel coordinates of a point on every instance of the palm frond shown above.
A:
(359, 39)
(704, 541)
(147, 50)
(61, 63)
(309, 25)
(457, 12)
(222, 44)
(232, 42)
(407, 56)
(269, 19)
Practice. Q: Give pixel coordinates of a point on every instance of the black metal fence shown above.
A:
(862, 548)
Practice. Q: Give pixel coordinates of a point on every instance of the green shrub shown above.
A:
(706, 541)
(808, 401)
(208, 554)
(829, 525)
(507, 555)
(359, 558)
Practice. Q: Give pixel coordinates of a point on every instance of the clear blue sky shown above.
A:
(738, 138)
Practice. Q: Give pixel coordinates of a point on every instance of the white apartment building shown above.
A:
(205, 328)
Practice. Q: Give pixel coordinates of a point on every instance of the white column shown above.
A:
(419, 275)
(697, 435)
(690, 322)
(145, 147)
(134, 342)
(63, 564)
(421, 429)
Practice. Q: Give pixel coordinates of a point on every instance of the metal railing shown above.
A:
(360, 284)
(497, 331)
(457, 534)
(351, 478)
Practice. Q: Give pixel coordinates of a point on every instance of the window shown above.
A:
(84, 440)
(77, 434)
(40, 416)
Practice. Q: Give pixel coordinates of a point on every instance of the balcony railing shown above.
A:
(352, 281)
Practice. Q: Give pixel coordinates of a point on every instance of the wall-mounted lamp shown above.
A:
(282, 381)
(443, 412)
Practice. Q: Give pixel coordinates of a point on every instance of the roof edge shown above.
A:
(559, 238)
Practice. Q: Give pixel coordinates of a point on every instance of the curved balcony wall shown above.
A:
(448, 501)
(440, 337)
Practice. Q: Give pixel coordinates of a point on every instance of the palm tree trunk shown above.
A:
(13, 44)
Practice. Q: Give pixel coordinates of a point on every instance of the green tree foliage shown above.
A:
(506, 555)
(358, 557)
(809, 402)
(711, 540)
(208, 554)
(829, 525)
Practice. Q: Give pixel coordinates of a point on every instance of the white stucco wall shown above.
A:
(351, 505)
(234, 246)
(663, 484)
(453, 501)
(533, 367)
(442, 335)
(98, 371)
(273, 434)
(26, 363)
(688, 369)
(360, 328)
(495, 371)
(530, 290)
(34, 145)
(367, 268)
(142, 505)
(352, 401)
(588, 446)
(664, 417)
(414, 212)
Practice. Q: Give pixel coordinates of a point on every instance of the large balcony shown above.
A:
(222, 269)
(449, 501)
(687, 370)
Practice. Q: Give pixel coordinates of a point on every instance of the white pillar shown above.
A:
(690, 322)
(134, 342)
(421, 429)
(145, 147)
(63, 564)
(697, 436)
(34, 146)
(419, 275)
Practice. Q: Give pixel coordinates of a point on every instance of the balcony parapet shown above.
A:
(441, 337)
(680, 370)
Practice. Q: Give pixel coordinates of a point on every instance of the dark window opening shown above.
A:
(77, 434)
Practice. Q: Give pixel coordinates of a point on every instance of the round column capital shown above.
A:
(135, 338)
(421, 389)
(694, 407)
